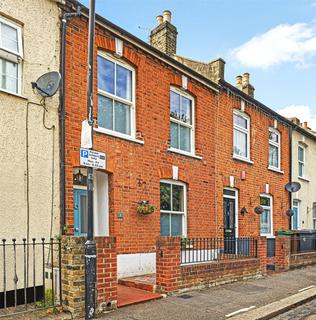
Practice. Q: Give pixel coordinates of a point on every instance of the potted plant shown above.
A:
(143, 207)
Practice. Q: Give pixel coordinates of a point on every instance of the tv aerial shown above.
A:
(293, 186)
(47, 84)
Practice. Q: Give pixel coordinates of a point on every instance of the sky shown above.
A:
(273, 40)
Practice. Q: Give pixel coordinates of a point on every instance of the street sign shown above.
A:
(92, 158)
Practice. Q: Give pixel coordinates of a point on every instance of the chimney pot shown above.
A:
(305, 126)
(159, 19)
(239, 82)
(246, 78)
(167, 16)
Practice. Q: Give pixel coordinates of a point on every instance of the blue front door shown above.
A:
(80, 212)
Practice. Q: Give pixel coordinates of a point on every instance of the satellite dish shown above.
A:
(293, 186)
(290, 212)
(47, 84)
(259, 210)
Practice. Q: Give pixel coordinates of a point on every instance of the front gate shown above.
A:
(30, 275)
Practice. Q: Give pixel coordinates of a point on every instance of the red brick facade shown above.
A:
(135, 169)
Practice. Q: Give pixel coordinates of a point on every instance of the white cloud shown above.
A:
(304, 113)
(294, 43)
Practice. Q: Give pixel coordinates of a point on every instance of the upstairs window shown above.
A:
(241, 136)
(301, 161)
(172, 208)
(266, 216)
(116, 98)
(274, 149)
(11, 54)
(181, 121)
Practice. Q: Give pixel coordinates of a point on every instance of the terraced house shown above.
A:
(188, 154)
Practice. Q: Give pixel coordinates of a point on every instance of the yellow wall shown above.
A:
(41, 37)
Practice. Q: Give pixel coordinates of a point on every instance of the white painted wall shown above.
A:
(129, 265)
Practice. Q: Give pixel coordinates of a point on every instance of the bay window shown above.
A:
(116, 98)
(172, 208)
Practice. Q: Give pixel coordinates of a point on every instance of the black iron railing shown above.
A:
(303, 243)
(30, 275)
(198, 250)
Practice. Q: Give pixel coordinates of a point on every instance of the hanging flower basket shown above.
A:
(143, 207)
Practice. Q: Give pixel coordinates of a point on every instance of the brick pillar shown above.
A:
(106, 273)
(73, 275)
(262, 253)
(282, 253)
(168, 269)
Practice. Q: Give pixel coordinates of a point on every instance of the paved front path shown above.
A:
(216, 302)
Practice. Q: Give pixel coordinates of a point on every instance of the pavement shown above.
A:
(217, 302)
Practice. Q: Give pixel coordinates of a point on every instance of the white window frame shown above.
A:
(314, 217)
(13, 56)
(301, 162)
(184, 213)
(191, 126)
(270, 234)
(243, 130)
(298, 206)
(235, 197)
(278, 145)
(131, 103)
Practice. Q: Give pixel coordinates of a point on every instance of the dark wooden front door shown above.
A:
(229, 225)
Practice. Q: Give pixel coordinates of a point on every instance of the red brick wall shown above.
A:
(172, 276)
(257, 174)
(302, 259)
(106, 273)
(262, 253)
(135, 170)
(282, 253)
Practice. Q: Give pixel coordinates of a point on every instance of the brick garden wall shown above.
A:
(73, 274)
(302, 259)
(171, 276)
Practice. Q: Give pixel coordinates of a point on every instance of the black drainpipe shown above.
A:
(291, 165)
(62, 117)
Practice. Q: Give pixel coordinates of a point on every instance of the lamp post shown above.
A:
(90, 245)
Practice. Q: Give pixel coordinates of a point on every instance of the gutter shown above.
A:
(62, 116)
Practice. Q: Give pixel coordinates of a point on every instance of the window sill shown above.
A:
(13, 94)
(267, 235)
(184, 153)
(276, 170)
(118, 135)
(304, 179)
(242, 159)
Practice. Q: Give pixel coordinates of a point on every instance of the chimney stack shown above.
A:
(243, 84)
(305, 126)
(164, 36)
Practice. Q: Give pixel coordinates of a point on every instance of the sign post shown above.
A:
(90, 245)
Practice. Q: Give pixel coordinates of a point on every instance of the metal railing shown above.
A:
(30, 275)
(198, 250)
(303, 244)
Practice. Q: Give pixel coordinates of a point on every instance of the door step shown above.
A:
(145, 282)
(127, 296)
